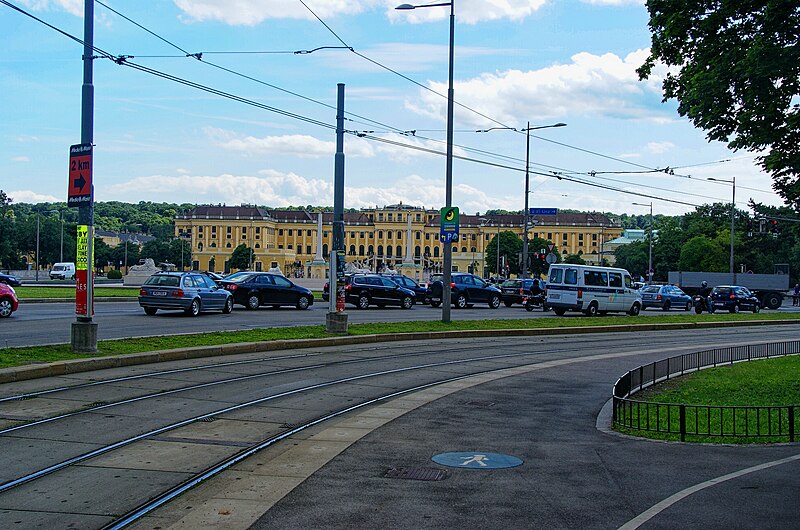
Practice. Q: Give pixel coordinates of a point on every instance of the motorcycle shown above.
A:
(534, 300)
(700, 304)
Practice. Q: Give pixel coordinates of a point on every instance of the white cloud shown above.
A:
(253, 12)
(32, 197)
(469, 11)
(615, 2)
(21, 159)
(658, 148)
(592, 85)
(74, 7)
(276, 189)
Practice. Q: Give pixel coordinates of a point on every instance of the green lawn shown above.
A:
(763, 383)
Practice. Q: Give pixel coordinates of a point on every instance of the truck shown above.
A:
(769, 288)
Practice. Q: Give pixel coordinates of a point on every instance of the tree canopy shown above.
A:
(735, 72)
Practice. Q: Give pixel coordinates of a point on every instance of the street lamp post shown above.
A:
(448, 247)
(526, 210)
(650, 238)
(733, 213)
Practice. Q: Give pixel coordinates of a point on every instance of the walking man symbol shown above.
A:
(478, 459)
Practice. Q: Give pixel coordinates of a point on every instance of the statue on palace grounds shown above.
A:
(137, 274)
(351, 268)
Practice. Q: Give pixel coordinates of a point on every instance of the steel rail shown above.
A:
(122, 443)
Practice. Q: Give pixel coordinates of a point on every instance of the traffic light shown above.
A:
(774, 227)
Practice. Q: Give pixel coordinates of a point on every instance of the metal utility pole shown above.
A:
(335, 320)
(84, 330)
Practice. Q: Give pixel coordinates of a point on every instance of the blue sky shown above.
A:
(516, 61)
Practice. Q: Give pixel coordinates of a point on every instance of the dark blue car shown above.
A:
(734, 298)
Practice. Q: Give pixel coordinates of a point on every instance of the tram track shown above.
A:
(383, 385)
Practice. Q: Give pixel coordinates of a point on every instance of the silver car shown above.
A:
(191, 292)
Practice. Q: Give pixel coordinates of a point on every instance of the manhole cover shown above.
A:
(415, 473)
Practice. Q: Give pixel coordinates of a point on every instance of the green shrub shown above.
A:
(114, 274)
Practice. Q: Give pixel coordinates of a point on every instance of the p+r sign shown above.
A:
(79, 188)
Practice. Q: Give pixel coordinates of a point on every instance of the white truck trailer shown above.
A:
(769, 288)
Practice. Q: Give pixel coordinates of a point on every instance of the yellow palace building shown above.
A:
(395, 236)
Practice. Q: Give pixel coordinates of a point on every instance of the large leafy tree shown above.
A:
(240, 257)
(735, 71)
(510, 249)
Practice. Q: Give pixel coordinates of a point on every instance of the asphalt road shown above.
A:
(545, 410)
(50, 323)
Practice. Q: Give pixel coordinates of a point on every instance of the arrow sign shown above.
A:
(79, 183)
(79, 190)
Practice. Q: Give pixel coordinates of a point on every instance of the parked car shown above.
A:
(63, 271)
(190, 291)
(214, 276)
(465, 291)
(363, 290)
(8, 300)
(734, 298)
(515, 291)
(665, 297)
(420, 292)
(9, 279)
(264, 288)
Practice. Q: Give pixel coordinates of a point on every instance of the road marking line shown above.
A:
(648, 514)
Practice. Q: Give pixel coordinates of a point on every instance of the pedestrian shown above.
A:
(796, 294)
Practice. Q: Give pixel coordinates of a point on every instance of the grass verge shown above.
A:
(39, 354)
(762, 383)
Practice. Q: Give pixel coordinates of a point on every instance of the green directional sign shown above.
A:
(448, 224)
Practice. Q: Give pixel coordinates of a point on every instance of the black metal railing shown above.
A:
(774, 422)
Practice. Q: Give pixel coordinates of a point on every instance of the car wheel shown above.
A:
(228, 307)
(303, 302)
(756, 308)
(461, 301)
(666, 305)
(363, 301)
(688, 306)
(508, 304)
(435, 304)
(591, 311)
(559, 311)
(494, 302)
(735, 309)
(407, 302)
(698, 309)
(772, 300)
(150, 311)
(5, 308)
(253, 302)
(634, 310)
(194, 309)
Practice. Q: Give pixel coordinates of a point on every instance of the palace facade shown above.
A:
(375, 239)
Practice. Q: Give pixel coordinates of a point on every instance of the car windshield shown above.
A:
(651, 289)
(165, 281)
(236, 275)
(510, 283)
(240, 278)
(722, 290)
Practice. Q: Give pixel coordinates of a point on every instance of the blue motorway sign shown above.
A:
(543, 211)
(477, 460)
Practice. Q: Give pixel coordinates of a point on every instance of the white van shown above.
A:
(63, 271)
(591, 289)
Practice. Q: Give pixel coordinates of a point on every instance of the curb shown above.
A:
(59, 368)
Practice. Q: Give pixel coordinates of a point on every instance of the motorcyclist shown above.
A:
(705, 292)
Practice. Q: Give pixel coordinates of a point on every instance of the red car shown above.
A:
(8, 300)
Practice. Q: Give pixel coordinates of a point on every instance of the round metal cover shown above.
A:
(477, 460)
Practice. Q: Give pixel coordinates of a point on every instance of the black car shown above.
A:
(465, 291)
(8, 279)
(363, 290)
(514, 291)
(410, 283)
(265, 288)
(734, 298)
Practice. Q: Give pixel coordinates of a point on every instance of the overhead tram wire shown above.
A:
(123, 61)
(199, 55)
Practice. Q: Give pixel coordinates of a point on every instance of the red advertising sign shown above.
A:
(79, 189)
(81, 293)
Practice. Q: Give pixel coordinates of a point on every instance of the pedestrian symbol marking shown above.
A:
(477, 460)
